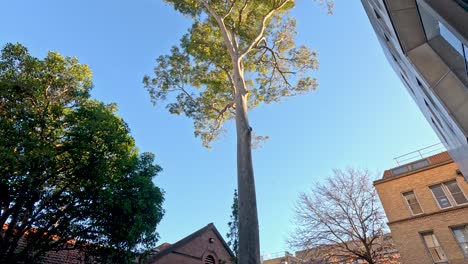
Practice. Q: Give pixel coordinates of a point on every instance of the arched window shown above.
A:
(210, 260)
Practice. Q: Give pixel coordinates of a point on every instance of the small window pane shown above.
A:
(463, 3)
(400, 170)
(420, 164)
(466, 52)
(440, 196)
(428, 238)
(377, 14)
(434, 247)
(466, 58)
(456, 192)
(413, 202)
(450, 38)
(461, 234)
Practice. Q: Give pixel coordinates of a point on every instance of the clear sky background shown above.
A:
(361, 115)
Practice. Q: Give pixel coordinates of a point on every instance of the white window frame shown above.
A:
(461, 190)
(408, 205)
(437, 201)
(431, 233)
(448, 194)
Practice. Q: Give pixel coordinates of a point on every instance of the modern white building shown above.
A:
(426, 42)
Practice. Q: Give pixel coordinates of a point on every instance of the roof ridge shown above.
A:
(188, 238)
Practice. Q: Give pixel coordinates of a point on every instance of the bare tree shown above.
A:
(341, 220)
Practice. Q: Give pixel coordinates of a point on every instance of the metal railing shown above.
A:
(420, 154)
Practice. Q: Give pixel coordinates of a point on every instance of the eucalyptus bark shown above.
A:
(249, 242)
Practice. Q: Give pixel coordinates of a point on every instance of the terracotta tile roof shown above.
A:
(65, 255)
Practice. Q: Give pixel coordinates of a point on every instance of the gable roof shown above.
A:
(189, 238)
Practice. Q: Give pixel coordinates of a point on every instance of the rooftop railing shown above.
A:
(420, 154)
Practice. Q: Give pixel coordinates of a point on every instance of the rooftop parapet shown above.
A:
(429, 161)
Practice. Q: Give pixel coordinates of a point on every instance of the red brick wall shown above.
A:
(196, 250)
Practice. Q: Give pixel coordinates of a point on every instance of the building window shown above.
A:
(433, 114)
(386, 37)
(440, 196)
(439, 130)
(413, 203)
(465, 53)
(461, 235)
(448, 194)
(406, 82)
(436, 107)
(419, 164)
(377, 14)
(434, 248)
(209, 260)
(463, 3)
(456, 193)
(400, 170)
(445, 43)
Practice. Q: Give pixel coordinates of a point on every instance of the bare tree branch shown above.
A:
(342, 219)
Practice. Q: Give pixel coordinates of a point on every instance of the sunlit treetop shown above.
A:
(197, 77)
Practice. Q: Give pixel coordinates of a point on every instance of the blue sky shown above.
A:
(361, 115)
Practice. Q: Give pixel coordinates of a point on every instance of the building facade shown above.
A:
(339, 254)
(205, 246)
(281, 258)
(427, 208)
(426, 43)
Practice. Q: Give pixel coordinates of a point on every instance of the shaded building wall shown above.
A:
(435, 78)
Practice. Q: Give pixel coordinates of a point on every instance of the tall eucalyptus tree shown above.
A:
(236, 55)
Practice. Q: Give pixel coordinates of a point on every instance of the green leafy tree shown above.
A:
(236, 55)
(233, 235)
(69, 168)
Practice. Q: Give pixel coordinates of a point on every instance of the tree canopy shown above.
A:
(70, 169)
(198, 74)
(342, 221)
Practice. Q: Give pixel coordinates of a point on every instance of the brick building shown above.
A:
(65, 254)
(427, 208)
(281, 258)
(205, 246)
(335, 254)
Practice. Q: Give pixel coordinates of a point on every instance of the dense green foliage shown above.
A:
(69, 168)
(198, 73)
(233, 235)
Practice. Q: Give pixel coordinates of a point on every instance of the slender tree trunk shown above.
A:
(249, 242)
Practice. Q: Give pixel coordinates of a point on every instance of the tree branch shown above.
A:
(222, 27)
(276, 65)
(261, 30)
